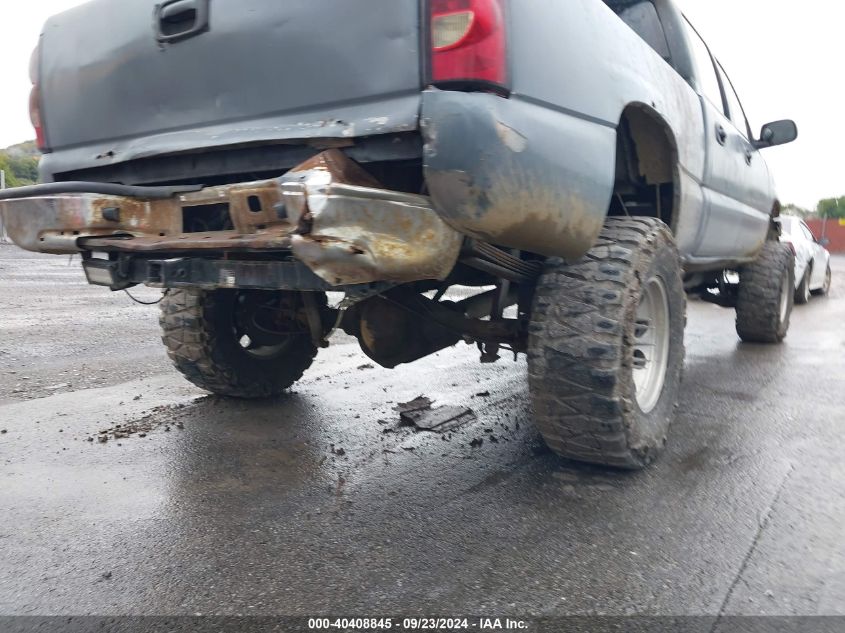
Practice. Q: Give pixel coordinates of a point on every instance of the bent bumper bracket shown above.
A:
(328, 213)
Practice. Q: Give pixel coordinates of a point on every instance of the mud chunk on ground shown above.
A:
(158, 417)
(420, 403)
(420, 414)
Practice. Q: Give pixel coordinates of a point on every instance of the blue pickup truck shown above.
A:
(583, 165)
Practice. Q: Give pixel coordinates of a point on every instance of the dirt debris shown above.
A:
(420, 414)
(158, 417)
(420, 403)
(440, 420)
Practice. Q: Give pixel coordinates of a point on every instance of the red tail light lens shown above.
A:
(468, 42)
(35, 99)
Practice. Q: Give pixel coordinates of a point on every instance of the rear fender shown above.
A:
(518, 174)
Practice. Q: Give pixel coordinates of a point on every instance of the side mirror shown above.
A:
(777, 133)
(824, 242)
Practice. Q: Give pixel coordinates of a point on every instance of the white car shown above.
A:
(812, 259)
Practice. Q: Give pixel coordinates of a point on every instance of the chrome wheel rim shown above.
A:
(784, 297)
(651, 344)
(261, 351)
(827, 281)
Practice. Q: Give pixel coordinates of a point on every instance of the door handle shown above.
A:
(177, 11)
(180, 19)
(721, 134)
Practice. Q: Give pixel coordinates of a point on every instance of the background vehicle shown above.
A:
(250, 156)
(812, 260)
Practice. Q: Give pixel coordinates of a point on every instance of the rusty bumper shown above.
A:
(328, 213)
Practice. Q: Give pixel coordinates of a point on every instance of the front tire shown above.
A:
(242, 344)
(766, 295)
(802, 293)
(828, 279)
(606, 348)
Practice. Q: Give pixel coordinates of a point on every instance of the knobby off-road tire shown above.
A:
(593, 332)
(204, 340)
(802, 293)
(765, 297)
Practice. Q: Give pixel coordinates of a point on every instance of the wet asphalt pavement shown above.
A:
(319, 503)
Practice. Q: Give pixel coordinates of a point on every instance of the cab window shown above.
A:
(706, 69)
(807, 232)
(735, 113)
(641, 16)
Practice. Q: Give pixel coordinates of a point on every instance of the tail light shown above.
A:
(35, 116)
(469, 43)
(35, 100)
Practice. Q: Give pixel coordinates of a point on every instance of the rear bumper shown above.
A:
(326, 213)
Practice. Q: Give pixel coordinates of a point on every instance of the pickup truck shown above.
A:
(583, 166)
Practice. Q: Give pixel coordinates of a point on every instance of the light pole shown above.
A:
(824, 222)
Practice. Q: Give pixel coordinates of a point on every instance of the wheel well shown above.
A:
(647, 173)
(775, 230)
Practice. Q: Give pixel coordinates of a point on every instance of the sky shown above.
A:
(784, 57)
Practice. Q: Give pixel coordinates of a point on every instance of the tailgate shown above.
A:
(263, 70)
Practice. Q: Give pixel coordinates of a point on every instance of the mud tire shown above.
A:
(582, 347)
(764, 301)
(198, 330)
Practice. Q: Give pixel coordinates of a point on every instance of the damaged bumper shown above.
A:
(327, 213)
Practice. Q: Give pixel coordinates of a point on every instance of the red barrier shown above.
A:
(834, 230)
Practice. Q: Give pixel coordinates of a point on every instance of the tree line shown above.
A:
(20, 163)
(830, 208)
